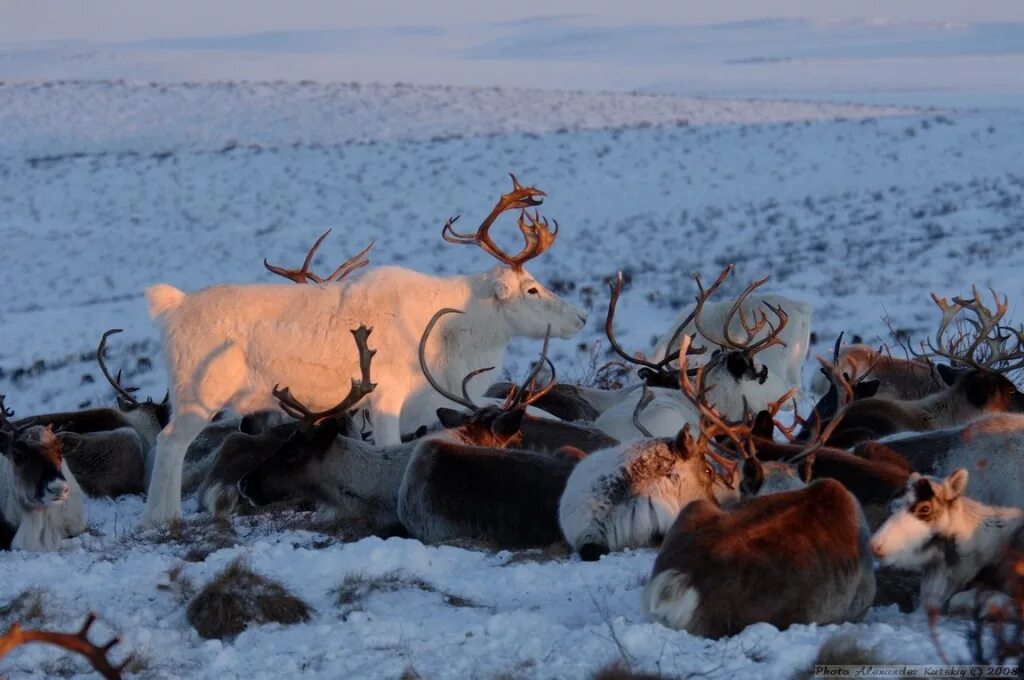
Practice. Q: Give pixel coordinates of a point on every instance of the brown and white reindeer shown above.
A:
(952, 539)
(740, 383)
(40, 502)
(629, 495)
(982, 351)
(227, 346)
(795, 554)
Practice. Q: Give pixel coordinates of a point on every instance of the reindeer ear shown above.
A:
(866, 388)
(806, 468)
(508, 423)
(450, 418)
(681, 444)
(753, 477)
(955, 485)
(69, 442)
(502, 289)
(764, 426)
(947, 373)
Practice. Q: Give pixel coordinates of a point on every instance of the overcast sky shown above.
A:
(115, 20)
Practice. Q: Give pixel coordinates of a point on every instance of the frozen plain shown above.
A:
(107, 186)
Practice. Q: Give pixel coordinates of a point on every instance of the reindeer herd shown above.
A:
(365, 395)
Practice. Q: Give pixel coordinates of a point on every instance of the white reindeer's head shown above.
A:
(924, 522)
(528, 308)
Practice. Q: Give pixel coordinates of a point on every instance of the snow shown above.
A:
(108, 186)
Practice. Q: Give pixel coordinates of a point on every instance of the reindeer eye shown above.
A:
(533, 291)
(923, 512)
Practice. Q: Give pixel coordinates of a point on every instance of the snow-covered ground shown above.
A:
(106, 187)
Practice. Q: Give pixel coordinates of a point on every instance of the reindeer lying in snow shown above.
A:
(783, 359)
(975, 385)
(784, 558)
(40, 502)
(737, 385)
(227, 346)
(793, 554)
(905, 379)
(473, 480)
(628, 496)
(947, 536)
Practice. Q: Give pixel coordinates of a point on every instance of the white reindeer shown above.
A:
(784, 359)
(739, 381)
(228, 346)
(39, 498)
(948, 537)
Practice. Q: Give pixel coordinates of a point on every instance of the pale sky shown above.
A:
(123, 20)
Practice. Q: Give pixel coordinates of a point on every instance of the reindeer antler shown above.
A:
(527, 393)
(464, 400)
(981, 342)
(360, 388)
(124, 392)
(819, 435)
(304, 275)
(661, 367)
(538, 236)
(760, 320)
(78, 643)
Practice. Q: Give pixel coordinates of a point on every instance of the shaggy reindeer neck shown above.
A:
(364, 470)
(982, 525)
(40, 529)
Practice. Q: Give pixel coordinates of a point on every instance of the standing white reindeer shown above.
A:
(228, 346)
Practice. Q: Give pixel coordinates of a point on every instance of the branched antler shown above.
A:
(979, 341)
(660, 369)
(304, 275)
(360, 388)
(96, 655)
(527, 392)
(124, 392)
(820, 433)
(748, 345)
(539, 237)
(712, 424)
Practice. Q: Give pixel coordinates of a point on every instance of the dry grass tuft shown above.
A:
(28, 606)
(238, 597)
(193, 540)
(843, 649)
(617, 670)
(359, 586)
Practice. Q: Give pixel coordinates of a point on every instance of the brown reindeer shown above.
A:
(982, 350)
(795, 556)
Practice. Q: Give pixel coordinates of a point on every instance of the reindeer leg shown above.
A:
(163, 501)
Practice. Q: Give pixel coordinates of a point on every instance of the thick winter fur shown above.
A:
(38, 494)
(541, 435)
(110, 463)
(905, 379)
(629, 495)
(735, 386)
(784, 361)
(794, 557)
(969, 395)
(991, 448)
(345, 476)
(948, 537)
(565, 402)
(228, 346)
(506, 496)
